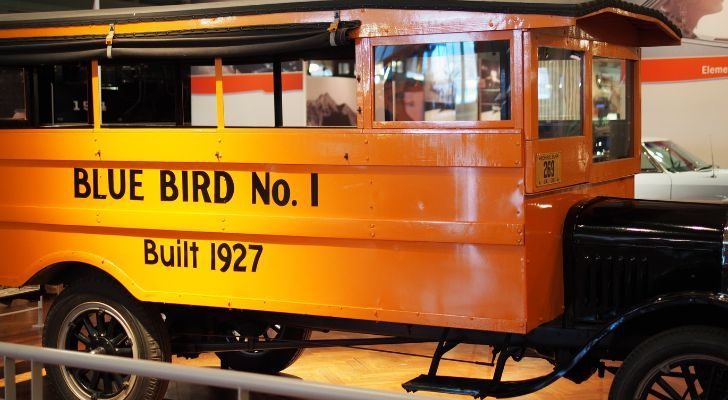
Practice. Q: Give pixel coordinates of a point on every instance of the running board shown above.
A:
(478, 388)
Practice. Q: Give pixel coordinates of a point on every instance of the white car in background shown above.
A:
(669, 172)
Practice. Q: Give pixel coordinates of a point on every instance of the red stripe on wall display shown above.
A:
(246, 83)
(684, 69)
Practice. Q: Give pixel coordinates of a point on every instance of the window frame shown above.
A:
(32, 119)
(614, 169)
(539, 39)
(30, 114)
(277, 74)
(629, 85)
(277, 61)
(179, 106)
(585, 64)
(515, 48)
(89, 99)
(574, 167)
(577, 151)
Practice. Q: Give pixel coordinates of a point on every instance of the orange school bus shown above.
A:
(230, 176)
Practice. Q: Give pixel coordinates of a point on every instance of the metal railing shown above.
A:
(243, 382)
(25, 290)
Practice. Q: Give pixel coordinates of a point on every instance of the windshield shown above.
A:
(673, 157)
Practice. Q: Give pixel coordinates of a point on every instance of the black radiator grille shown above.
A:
(607, 285)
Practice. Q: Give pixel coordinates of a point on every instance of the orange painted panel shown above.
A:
(437, 224)
(628, 28)
(375, 280)
(308, 146)
(435, 147)
(423, 204)
(574, 154)
(545, 215)
(600, 172)
(353, 279)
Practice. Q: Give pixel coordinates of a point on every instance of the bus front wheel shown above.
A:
(99, 317)
(682, 363)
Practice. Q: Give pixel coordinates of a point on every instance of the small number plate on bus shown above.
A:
(548, 168)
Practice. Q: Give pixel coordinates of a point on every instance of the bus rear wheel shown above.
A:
(265, 361)
(684, 363)
(99, 317)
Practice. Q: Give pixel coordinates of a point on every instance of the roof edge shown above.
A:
(251, 7)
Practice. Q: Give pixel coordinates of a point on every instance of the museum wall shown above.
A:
(685, 88)
(683, 101)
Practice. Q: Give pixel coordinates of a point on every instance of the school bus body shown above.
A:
(426, 224)
(453, 171)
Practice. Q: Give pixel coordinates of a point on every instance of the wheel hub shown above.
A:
(96, 328)
(100, 344)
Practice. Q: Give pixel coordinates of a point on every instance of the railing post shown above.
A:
(39, 324)
(243, 394)
(9, 366)
(36, 380)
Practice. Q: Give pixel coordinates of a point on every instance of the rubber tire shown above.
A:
(662, 347)
(268, 361)
(147, 326)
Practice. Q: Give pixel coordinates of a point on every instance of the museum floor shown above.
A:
(374, 367)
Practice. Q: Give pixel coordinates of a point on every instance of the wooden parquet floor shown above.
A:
(374, 367)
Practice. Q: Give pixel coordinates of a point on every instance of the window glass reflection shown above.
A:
(63, 94)
(674, 158)
(329, 87)
(318, 92)
(248, 95)
(459, 81)
(612, 109)
(559, 92)
(12, 102)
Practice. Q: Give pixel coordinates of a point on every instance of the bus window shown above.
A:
(612, 109)
(560, 92)
(330, 93)
(153, 93)
(293, 94)
(202, 105)
(13, 99)
(313, 93)
(248, 95)
(459, 81)
(63, 94)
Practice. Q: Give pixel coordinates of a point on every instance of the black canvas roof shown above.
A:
(573, 8)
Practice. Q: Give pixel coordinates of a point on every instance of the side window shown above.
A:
(202, 106)
(14, 96)
(329, 88)
(646, 165)
(457, 81)
(153, 93)
(248, 95)
(560, 92)
(63, 94)
(612, 126)
(312, 93)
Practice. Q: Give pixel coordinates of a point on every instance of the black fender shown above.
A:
(620, 253)
(661, 303)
